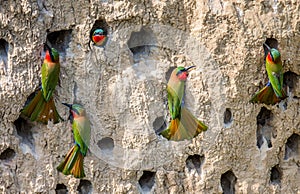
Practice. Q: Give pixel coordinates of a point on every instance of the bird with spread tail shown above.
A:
(73, 161)
(273, 92)
(99, 37)
(42, 107)
(183, 124)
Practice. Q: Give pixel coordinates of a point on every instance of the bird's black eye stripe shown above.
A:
(272, 56)
(51, 55)
(76, 111)
(179, 72)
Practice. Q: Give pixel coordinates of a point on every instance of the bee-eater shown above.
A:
(42, 108)
(99, 37)
(183, 124)
(273, 92)
(73, 162)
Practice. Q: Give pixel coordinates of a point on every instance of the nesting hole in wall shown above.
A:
(60, 41)
(8, 154)
(272, 42)
(159, 124)
(228, 181)
(292, 146)
(61, 189)
(147, 181)
(228, 117)
(290, 79)
(99, 24)
(141, 42)
(106, 144)
(195, 162)
(3, 55)
(276, 174)
(24, 131)
(264, 131)
(85, 187)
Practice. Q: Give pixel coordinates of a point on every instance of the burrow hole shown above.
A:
(4, 46)
(23, 128)
(276, 174)
(292, 147)
(141, 42)
(8, 154)
(60, 41)
(290, 79)
(61, 189)
(106, 144)
(85, 187)
(159, 124)
(228, 181)
(264, 131)
(147, 181)
(97, 25)
(228, 117)
(195, 162)
(272, 43)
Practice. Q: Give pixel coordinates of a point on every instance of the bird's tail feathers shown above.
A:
(186, 127)
(73, 163)
(40, 110)
(267, 96)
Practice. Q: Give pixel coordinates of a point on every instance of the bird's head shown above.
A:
(51, 54)
(273, 54)
(99, 37)
(76, 110)
(182, 72)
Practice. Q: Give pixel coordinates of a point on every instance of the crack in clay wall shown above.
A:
(248, 148)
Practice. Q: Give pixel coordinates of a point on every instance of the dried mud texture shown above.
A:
(248, 148)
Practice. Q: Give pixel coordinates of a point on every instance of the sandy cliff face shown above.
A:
(248, 148)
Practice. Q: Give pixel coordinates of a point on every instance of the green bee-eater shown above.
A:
(273, 92)
(42, 108)
(183, 124)
(73, 162)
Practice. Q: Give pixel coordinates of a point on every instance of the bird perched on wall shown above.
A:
(99, 37)
(42, 108)
(73, 162)
(273, 92)
(183, 124)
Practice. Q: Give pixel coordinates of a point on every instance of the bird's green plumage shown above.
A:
(50, 74)
(274, 70)
(175, 89)
(273, 92)
(42, 107)
(73, 162)
(81, 132)
(183, 124)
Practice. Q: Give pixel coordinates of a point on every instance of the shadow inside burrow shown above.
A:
(147, 181)
(228, 182)
(265, 132)
(60, 41)
(195, 162)
(276, 175)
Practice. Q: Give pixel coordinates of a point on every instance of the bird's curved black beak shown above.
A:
(269, 50)
(68, 105)
(190, 67)
(267, 46)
